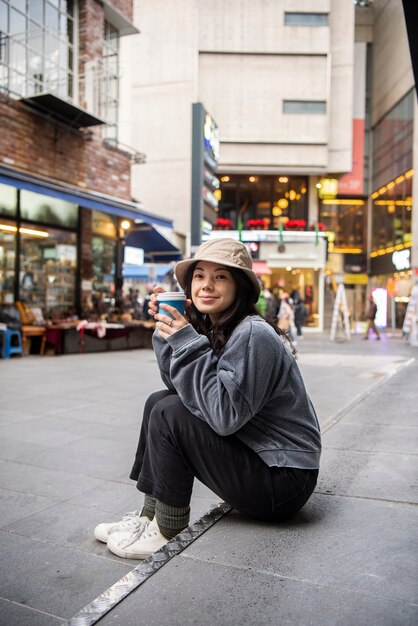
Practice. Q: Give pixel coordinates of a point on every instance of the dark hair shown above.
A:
(243, 305)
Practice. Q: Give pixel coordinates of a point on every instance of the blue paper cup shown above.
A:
(173, 298)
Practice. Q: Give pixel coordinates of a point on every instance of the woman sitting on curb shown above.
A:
(235, 413)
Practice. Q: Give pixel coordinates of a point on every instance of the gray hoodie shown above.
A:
(253, 390)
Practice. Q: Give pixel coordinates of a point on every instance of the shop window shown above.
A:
(262, 201)
(104, 225)
(48, 260)
(346, 219)
(392, 142)
(305, 19)
(47, 210)
(392, 213)
(7, 260)
(104, 255)
(8, 200)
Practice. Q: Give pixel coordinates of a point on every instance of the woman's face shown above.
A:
(213, 288)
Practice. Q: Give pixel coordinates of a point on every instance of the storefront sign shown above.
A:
(133, 256)
(328, 188)
(205, 156)
(397, 261)
(356, 279)
(401, 259)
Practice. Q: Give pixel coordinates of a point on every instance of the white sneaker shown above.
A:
(137, 546)
(130, 520)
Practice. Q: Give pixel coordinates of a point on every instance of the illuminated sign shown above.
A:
(380, 296)
(401, 259)
(205, 156)
(327, 188)
(133, 256)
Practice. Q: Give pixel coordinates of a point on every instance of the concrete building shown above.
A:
(298, 90)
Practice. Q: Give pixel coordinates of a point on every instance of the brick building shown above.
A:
(65, 181)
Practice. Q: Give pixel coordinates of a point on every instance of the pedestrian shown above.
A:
(286, 317)
(371, 316)
(301, 313)
(235, 413)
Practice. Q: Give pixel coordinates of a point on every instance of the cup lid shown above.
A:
(171, 295)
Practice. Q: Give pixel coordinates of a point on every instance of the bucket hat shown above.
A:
(224, 251)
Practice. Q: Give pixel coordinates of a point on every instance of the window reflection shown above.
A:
(48, 260)
(7, 260)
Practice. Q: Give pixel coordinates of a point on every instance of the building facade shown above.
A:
(65, 183)
(304, 95)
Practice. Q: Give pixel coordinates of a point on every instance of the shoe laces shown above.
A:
(136, 532)
(151, 531)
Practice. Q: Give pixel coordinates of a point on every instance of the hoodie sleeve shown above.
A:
(163, 353)
(226, 391)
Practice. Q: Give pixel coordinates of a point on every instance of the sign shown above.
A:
(328, 188)
(380, 296)
(134, 256)
(401, 259)
(356, 279)
(205, 157)
(340, 314)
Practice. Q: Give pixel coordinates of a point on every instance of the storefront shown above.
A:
(392, 276)
(61, 251)
(391, 235)
(292, 261)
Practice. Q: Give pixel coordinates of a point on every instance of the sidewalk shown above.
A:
(68, 431)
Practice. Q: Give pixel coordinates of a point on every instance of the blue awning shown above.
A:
(154, 272)
(155, 246)
(87, 199)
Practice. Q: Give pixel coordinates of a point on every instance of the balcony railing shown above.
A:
(26, 72)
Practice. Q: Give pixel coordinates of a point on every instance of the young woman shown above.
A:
(235, 413)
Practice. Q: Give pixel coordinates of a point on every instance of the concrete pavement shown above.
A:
(68, 430)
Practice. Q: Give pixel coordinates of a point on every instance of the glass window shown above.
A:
(7, 260)
(3, 17)
(48, 261)
(347, 220)
(307, 107)
(392, 142)
(44, 33)
(305, 19)
(392, 213)
(104, 254)
(104, 224)
(261, 202)
(47, 210)
(8, 200)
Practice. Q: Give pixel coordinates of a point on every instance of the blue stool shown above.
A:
(12, 343)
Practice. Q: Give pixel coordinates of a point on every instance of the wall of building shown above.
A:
(392, 78)
(250, 62)
(158, 87)
(42, 148)
(392, 69)
(241, 61)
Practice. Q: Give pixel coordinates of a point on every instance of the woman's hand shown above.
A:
(166, 324)
(153, 304)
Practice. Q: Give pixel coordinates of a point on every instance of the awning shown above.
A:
(63, 110)
(156, 247)
(87, 199)
(261, 267)
(148, 272)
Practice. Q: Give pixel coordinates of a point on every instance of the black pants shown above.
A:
(175, 447)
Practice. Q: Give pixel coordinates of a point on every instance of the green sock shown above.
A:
(148, 510)
(171, 519)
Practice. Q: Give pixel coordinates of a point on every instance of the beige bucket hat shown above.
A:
(224, 251)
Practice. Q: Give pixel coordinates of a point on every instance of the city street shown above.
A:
(69, 427)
